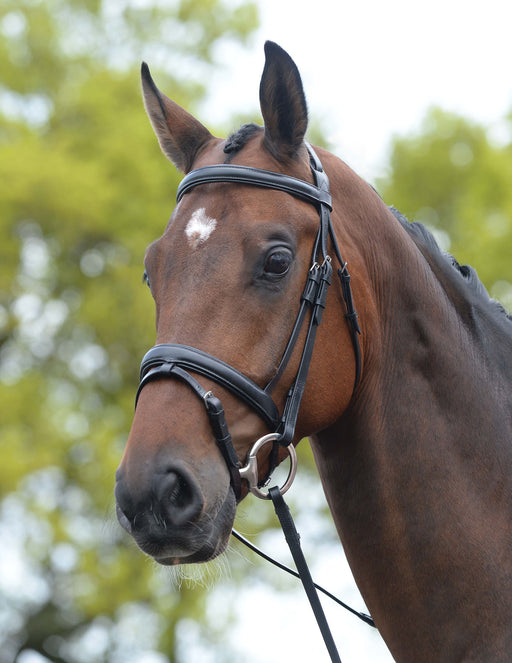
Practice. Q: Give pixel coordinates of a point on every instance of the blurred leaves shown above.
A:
(84, 189)
(455, 176)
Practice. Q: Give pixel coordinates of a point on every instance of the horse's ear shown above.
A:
(283, 103)
(180, 135)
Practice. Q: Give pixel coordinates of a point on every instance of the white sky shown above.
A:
(370, 69)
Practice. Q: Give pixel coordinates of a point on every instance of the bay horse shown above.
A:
(408, 407)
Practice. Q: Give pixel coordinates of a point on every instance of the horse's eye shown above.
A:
(145, 279)
(278, 262)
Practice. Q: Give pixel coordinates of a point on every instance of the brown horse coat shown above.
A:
(416, 463)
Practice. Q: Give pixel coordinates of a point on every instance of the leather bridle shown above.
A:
(171, 360)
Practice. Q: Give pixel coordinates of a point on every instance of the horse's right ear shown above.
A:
(180, 135)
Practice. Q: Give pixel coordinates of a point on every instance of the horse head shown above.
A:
(228, 278)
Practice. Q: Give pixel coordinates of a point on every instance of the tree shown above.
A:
(451, 176)
(83, 191)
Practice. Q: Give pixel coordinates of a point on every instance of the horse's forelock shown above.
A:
(239, 139)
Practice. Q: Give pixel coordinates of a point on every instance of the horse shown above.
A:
(407, 402)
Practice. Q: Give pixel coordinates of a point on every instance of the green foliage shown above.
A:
(452, 177)
(84, 189)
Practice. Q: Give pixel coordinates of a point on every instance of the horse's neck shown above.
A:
(418, 476)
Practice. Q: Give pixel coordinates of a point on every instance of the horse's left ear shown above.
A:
(283, 104)
(180, 135)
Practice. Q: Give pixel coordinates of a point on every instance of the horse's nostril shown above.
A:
(180, 494)
(172, 499)
(178, 497)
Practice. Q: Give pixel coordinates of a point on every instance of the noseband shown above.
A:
(171, 360)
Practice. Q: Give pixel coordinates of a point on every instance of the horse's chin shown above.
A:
(205, 554)
(193, 543)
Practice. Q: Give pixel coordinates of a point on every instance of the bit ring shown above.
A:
(250, 471)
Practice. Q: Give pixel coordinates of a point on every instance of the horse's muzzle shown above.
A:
(169, 520)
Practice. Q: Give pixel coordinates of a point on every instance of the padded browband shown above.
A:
(197, 361)
(255, 177)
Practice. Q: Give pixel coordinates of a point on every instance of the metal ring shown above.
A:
(250, 471)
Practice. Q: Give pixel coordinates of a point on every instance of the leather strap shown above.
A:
(254, 176)
(201, 362)
(363, 616)
(214, 410)
(293, 539)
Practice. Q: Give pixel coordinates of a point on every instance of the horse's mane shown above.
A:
(422, 236)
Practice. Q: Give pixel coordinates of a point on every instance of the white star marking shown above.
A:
(199, 228)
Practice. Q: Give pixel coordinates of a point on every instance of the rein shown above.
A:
(361, 615)
(170, 360)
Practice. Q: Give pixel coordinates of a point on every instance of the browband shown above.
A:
(255, 176)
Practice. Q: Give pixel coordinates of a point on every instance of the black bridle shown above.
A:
(170, 360)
